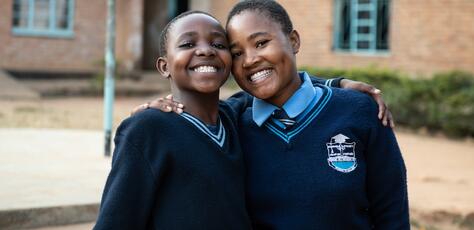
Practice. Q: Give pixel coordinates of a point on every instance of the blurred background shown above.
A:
(52, 164)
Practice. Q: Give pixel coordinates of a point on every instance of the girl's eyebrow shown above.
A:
(218, 34)
(256, 34)
(194, 34)
(251, 37)
(187, 34)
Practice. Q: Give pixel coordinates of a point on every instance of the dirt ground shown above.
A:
(440, 170)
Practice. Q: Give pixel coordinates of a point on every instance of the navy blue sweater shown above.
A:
(167, 174)
(337, 168)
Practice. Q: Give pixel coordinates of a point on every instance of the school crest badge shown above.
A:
(341, 154)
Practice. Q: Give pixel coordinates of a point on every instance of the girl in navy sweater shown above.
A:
(184, 171)
(331, 164)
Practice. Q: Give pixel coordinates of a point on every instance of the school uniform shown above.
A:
(334, 167)
(171, 171)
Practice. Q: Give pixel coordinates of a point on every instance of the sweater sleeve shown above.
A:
(239, 102)
(128, 196)
(333, 82)
(386, 179)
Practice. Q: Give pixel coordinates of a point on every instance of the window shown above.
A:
(50, 18)
(361, 26)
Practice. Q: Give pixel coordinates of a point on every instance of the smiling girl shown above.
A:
(184, 171)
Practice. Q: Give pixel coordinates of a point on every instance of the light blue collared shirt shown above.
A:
(296, 105)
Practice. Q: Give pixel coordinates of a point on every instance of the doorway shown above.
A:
(157, 13)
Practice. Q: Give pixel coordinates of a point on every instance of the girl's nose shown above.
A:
(205, 50)
(250, 59)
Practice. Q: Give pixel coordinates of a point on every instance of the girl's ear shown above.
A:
(162, 66)
(294, 37)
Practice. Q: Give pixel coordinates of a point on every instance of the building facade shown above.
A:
(416, 37)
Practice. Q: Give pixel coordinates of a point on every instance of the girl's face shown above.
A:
(263, 56)
(197, 57)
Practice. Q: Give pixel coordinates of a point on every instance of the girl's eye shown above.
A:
(219, 46)
(235, 54)
(186, 45)
(261, 43)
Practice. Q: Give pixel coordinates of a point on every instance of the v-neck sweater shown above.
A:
(168, 174)
(337, 168)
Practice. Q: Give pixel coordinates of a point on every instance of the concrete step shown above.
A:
(11, 89)
(48, 216)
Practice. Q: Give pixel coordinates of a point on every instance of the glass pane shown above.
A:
(41, 20)
(362, 45)
(62, 14)
(20, 13)
(383, 25)
(363, 15)
(364, 1)
(345, 25)
(363, 30)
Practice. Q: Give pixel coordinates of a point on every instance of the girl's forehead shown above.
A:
(250, 20)
(255, 17)
(196, 21)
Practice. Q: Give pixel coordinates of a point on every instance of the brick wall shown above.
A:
(220, 9)
(82, 52)
(426, 36)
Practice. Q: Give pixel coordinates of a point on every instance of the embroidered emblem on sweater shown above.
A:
(341, 154)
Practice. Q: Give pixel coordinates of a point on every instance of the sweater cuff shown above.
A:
(334, 82)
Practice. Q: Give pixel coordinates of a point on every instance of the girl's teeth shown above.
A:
(205, 69)
(259, 75)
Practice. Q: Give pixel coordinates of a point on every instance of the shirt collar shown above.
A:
(262, 110)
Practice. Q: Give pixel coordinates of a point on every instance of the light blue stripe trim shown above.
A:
(287, 137)
(278, 133)
(219, 138)
(311, 118)
(203, 126)
(303, 115)
(329, 82)
(205, 130)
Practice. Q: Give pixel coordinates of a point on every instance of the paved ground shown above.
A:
(50, 177)
(44, 168)
(36, 171)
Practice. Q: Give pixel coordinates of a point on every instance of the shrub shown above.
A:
(444, 102)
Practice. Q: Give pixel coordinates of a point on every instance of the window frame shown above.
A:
(353, 47)
(52, 30)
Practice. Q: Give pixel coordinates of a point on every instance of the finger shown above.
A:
(139, 108)
(167, 108)
(376, 91)
(390, 118)
(385, 121)
(381, 105)
(160, 104)
(134, 110)
(169, 96)
(174, 104)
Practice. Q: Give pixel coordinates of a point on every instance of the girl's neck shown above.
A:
(280, 98)
(204, 106)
